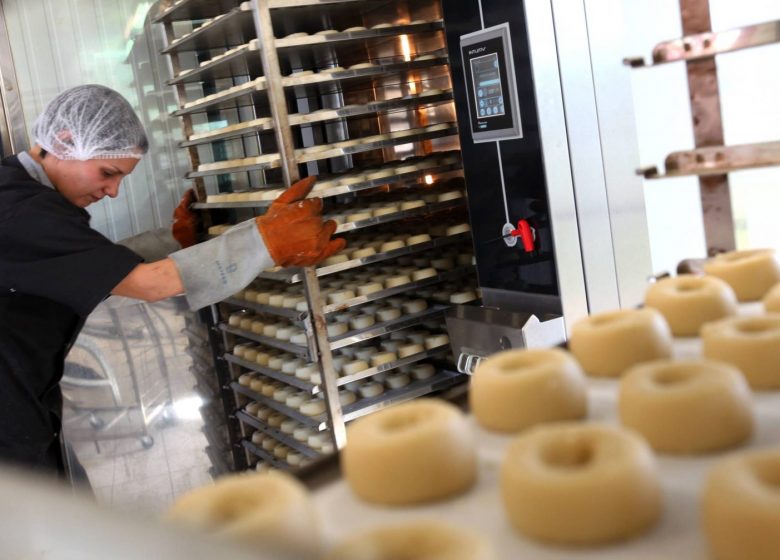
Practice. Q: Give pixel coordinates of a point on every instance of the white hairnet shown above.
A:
(90, 122)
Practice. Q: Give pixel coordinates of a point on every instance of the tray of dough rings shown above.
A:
(352, 256)
(331, 36)
(359, 180)
(228, 29)
(327, 151)
(234, 98)
(384, 67)
(676, 534)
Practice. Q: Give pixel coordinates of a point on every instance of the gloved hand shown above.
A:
(185, 221)
(293, 230)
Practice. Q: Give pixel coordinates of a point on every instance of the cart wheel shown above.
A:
(167, 417)
(96, 422)
(147, 441)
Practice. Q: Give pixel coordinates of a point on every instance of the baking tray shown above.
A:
(290, 380)
(296, 349)
(243, 61)
(357, 186)
(194, 9)
(387, 327)
(234, 28)
(294, 275)
(384, 368)
(321, 116)
(343, 36)
(338, 149)
(277, 435)
(254, 91)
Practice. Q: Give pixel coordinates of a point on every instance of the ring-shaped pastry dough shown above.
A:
(687, 301)
(693, 406)
(421, 540)
(606, 344)
(750, 273)
(580, 484)
(752, 344)
(270, 511)
(516, 389)
(771, 300)
(418, 451)
(741, 507)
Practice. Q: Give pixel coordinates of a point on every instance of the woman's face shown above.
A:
(85, 182)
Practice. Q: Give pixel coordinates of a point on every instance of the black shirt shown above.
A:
(54, 270)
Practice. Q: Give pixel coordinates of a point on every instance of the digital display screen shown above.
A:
(488, 94)
(490, 84)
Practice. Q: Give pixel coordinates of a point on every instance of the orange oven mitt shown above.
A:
(293, 230)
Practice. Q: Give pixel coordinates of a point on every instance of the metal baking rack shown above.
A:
(277, 435)
(704, 45)
(342, 36)
(290, 380)
(293, 275)
(253, 90)
(264, 455)
(230, 30)
(427, 209)
(297, 349)
(415, 389)
(390, 366)
(287, 313)
(184, 10)
(357, 186)
(386, 327)
(277, 406)
(716, 160)
(389, 292)
(252, 96)
(243, 59)
(360, 407)
(325, 115)
(276, 4)
(338, 149)
(711, 160)
(244, 36)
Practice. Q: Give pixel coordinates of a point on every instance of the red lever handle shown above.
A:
(526, 234)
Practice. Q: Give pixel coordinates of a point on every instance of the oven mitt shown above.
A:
(290, 233)
(293, 230)
(185, 221)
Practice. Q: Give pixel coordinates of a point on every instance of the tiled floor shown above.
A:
(161, 452)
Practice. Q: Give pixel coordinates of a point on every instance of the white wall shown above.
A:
(57, 44)
(749, 86)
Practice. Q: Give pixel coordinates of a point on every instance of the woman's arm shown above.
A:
(151, 282)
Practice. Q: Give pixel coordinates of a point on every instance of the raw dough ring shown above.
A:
(270, 511)
(418, 451)
(752, 344)
(421, 540)
(740, 507)
(687, 301)
(516, 389)
(606, 344)
(693, 406)
(580, 484)
(750, 273)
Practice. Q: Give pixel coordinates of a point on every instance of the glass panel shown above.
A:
(57, 45)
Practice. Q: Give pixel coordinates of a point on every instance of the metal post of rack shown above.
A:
(704, 97)
(711, 160)
(276, 97)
